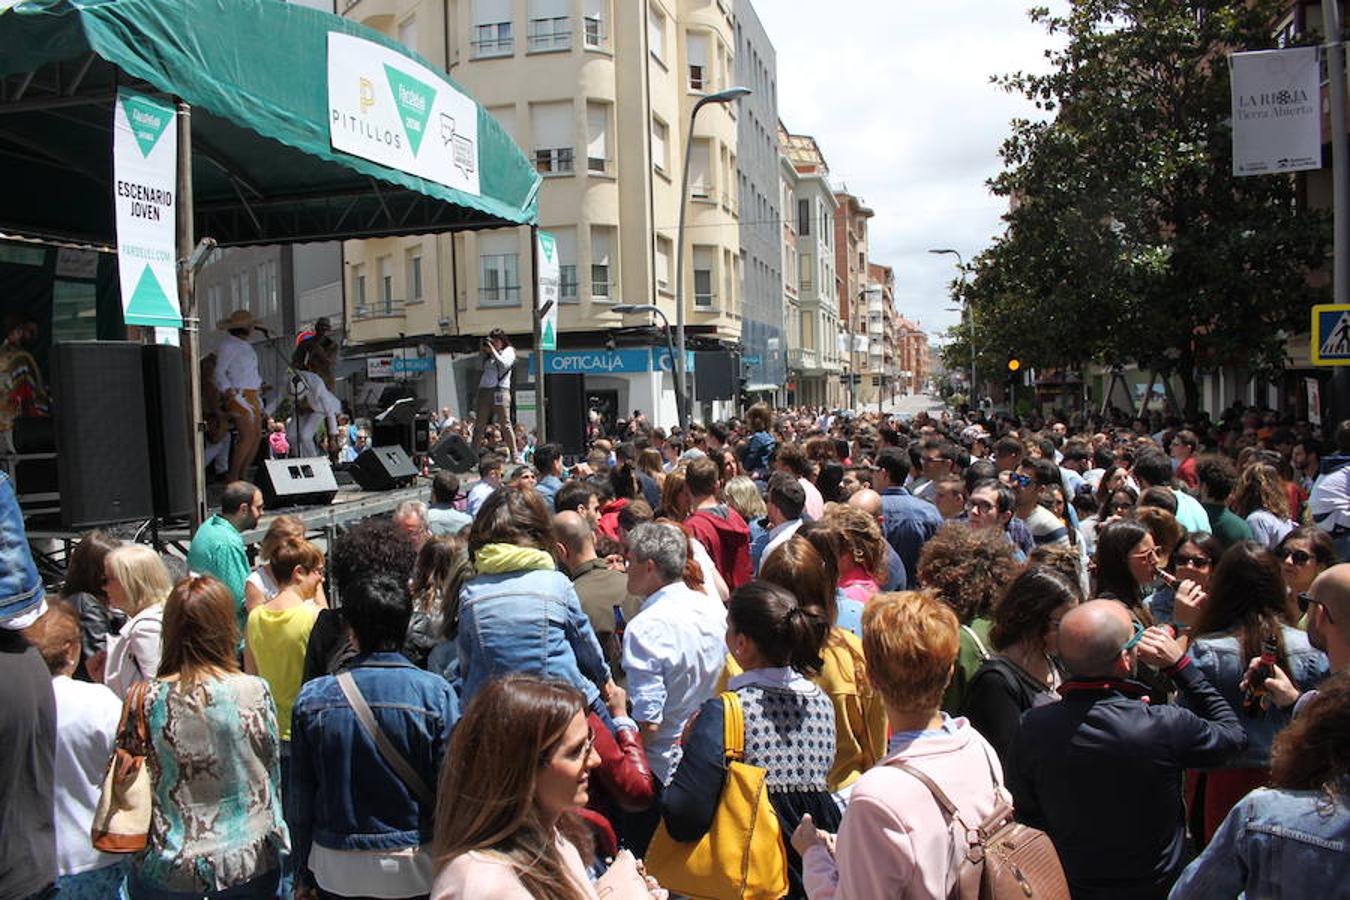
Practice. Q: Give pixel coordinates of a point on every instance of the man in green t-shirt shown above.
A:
(1217, 476)
(218, 549)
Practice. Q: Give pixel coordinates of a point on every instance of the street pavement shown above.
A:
(912, 404)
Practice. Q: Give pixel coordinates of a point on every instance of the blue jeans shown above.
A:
(96, 884)
(264, 887)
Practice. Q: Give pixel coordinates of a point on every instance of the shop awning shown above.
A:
(264, 169)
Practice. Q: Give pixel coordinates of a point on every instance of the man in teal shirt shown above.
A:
(217, 548)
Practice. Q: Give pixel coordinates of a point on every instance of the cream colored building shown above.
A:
(599, 93)
(814, 357)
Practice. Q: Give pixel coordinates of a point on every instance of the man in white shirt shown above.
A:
(674, 648)
(494, 389)
(785, 501)
(239, 382)
(489, 479)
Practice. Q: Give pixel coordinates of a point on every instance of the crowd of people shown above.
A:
(1134, 632)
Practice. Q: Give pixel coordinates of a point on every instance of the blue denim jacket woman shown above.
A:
(1293, 840)
(348, 800)
(519, 614)
(1221, 658)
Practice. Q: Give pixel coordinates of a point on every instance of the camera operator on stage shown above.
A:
(240, 385)
(494, 389)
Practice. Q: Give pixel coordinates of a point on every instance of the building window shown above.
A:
(551, 130)
(663, 256)
(806, 271)
(602, 263)
(565, 239)
(358, 289)
(597, 138)
(499, 269)
(703, 277)
(383, 266)
(492, 28)
(656, 34)
(700, 169)
(660, 134)
(550, 25)
(593, 21)
(407, 33)
(696, 53)
(804, 217)
(413, 273)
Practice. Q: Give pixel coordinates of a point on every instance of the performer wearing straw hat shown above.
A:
(239, 382)
(313, 364)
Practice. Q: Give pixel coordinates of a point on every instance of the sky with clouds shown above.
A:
(897, 94)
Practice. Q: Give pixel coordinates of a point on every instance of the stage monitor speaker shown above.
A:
(390, 433)
(166, 414)
(566, 398)
(383, 468)
(716, 375)
(306, 481)
(102, 444)
(452, 452)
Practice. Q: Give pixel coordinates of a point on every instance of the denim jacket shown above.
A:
(346, 796)
(528, 621)
(20, 587)
(1273, 844)
(1220, 658)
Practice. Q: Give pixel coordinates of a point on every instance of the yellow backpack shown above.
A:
(742, 856)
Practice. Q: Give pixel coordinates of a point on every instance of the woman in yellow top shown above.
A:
(278, 632)
(859, 713)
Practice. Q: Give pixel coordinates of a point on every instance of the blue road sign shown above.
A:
(1330, 335)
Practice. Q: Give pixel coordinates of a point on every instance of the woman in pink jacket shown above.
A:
(895, 841)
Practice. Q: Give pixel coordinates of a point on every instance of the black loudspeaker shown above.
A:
(716, 374)
(565, 396)
(452, 452)
(383, 469)
(307, 481)
(103, 451)
(166, 415)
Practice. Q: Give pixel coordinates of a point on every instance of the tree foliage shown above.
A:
(1128, 238)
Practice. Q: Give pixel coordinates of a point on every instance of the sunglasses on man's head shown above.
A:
(1134, 639)
(1306, 600)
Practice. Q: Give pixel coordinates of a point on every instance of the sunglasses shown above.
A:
(1195, 562)
(1134, 639)
(1019, 480)
(1300, 557)
(1306, 600)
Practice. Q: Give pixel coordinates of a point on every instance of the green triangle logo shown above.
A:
(413, 99)
(549, 246)
(150, 305)
(147, 119)
(548, 341)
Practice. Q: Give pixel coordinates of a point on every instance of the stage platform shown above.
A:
(52, 545)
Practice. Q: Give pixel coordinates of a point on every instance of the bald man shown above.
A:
(600, 588)
(1328, 609)
(869, 501)
(1101, 770)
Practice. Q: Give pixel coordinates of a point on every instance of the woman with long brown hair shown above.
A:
(1246, 608)
(1261, 499)
(213, 756)
(517, 771)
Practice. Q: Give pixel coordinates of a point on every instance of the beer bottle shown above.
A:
(1256, 681)
(620, 625)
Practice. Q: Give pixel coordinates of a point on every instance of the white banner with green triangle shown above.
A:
(550, 289)
(145, 160)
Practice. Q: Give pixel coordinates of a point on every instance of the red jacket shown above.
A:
(609, 518)
(726, 536)
(623, 782)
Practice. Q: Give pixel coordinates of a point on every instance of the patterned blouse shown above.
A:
(215, 766)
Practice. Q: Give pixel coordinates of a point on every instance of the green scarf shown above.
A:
(494, 559)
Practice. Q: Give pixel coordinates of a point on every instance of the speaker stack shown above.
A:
(383, 468)
(307, 481)
(452, 452)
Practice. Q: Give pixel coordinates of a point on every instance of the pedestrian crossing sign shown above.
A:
(1331, 335)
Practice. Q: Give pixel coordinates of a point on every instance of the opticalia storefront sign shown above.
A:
(607, 362)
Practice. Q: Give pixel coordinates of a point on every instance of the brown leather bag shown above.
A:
(1004, 859)
(122, 818)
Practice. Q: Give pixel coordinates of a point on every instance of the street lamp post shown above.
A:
(970, 312)
(727, 96)
(629, 308)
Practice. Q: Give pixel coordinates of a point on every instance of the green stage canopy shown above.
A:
(255, 73)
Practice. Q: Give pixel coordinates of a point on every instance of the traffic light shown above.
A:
(1014, 364)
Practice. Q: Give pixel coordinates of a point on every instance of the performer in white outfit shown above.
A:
(239, 382)
(313, 365)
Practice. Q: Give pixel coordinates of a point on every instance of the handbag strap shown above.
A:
(979, 644)
(406, 773)
(733, 726)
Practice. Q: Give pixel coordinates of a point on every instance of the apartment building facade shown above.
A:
(599, 93)
(811, 300)
(764, 343)
(850, 260)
